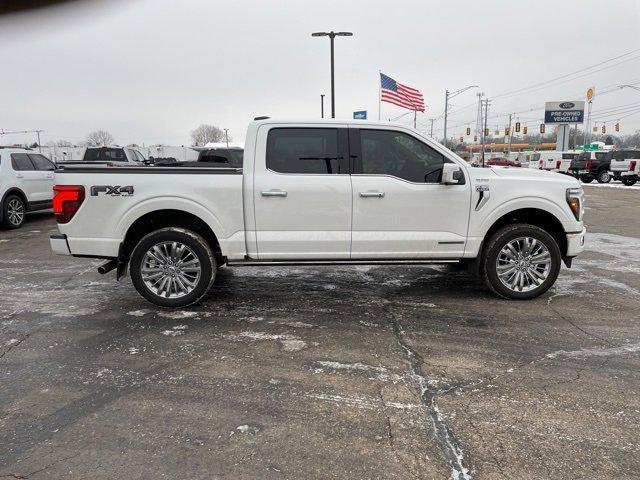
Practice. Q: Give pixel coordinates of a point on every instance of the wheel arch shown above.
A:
(164, 218)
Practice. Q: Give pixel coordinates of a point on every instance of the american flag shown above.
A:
(399, 94)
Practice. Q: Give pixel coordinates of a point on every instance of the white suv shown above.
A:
(26, 184)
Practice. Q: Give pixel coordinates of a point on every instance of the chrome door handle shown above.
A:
(274, 193)
(372, 194)
(19, 175)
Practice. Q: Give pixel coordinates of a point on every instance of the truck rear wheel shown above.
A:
(172, 267)
(13, 211)
(521, 261)
(603, 176)
(586, 179)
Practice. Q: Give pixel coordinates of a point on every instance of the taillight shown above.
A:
(632, 165)
(541, 164)
(558, 163)
(66, 201)
(588, 165)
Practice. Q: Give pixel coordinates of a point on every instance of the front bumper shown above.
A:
(59, 244)
(575, 243)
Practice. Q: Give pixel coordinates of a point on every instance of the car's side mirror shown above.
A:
(452, 174)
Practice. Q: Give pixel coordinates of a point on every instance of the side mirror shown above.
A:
(452, 174)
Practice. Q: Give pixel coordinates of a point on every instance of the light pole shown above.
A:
(447, 96)
(331, 36)
(322, 105)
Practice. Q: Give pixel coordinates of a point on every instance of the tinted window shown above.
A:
(569, 156)
(303, 150)
(105, 155)
(139, 156)
(385, 152)
(41, 162)
(602, 155)
(21, 162)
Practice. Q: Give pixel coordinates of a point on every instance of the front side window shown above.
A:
(41, 162)
(20, 162)
(304, 151)
(387, 152)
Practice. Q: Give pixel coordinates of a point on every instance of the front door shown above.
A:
(400, 208)
(302, 193)
(45, 182)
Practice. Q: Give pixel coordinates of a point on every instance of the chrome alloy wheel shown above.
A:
(170, 269)
(523, 264)
(15, 211)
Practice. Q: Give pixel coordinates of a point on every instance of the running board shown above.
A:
(297, 263)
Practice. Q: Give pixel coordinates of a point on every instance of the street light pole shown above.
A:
(322, 105)
(332, 35)
(447, 96)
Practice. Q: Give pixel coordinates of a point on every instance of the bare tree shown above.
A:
(205, 134)
(64, 143)
(100, 137)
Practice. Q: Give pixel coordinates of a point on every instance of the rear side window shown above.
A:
(569, 156)
(20, 162)
(41, 162)
(105, 155)
(305, 151)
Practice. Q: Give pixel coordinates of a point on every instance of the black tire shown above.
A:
(629, 181)
(499, 240)
(200, 249)
(13, 204)
(603, 176)
(586, 179)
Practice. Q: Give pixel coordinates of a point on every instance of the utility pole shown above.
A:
(447, 96)
(484, 130)
(332, 35)
(226, 136)
(415, 114)
(431, 127)
(509, 147)
(322, 105)
(39, 146)
(479, 121)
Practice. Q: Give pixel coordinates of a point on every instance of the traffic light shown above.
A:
(617, 126)
(461, 139)
(468, 131)
(506, 131)
(604, 129)
(486, 132)
(524, 130)
(517, 127)
(475, 138)
(542, 128)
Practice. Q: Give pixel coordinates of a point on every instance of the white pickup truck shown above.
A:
(321, 192)
(625, 166)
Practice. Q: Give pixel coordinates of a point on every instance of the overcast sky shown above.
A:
(150, 71)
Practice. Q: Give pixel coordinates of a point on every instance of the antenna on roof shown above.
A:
(261, 118)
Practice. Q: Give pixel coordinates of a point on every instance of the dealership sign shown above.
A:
(564, 112)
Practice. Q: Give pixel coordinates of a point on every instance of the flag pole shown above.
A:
(379, 93)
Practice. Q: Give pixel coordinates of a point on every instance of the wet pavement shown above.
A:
(323, 372)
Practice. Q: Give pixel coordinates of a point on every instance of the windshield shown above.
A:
(105, 155)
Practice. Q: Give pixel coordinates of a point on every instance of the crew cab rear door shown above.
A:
(302, 192)
(400, 208)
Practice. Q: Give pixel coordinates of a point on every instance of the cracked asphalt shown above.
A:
(323, 372)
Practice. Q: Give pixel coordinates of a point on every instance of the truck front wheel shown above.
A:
(629, 181)
(603, 176)
(521, 261)
(172, 267)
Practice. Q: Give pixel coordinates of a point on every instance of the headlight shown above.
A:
(575, 200)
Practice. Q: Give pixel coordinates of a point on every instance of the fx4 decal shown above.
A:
(116, 191)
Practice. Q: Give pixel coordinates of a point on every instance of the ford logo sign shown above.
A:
(567, 105)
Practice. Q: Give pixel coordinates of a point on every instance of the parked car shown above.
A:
(592, 165)
(317, 192)
(228, 157)
(625, 166)
(112, 156)
(502, 162)
(26, 182)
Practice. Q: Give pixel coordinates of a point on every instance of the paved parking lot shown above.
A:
(331, 372)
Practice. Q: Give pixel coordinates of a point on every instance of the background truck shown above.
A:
(591, 165)
(113, 156)
(625, 166)
(318, 192)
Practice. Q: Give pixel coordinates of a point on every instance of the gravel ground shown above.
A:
(323, 372)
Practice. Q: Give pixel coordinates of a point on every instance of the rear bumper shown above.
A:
(575, 243)
(59, 244)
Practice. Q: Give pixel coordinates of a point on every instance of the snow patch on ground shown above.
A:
(134, 350)
(597, 352)
(362, 402)
(290, 343)
(178, 314)
(12, 341)
(176, 331)
(139, 313)
(380, 373)
(611, 185)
